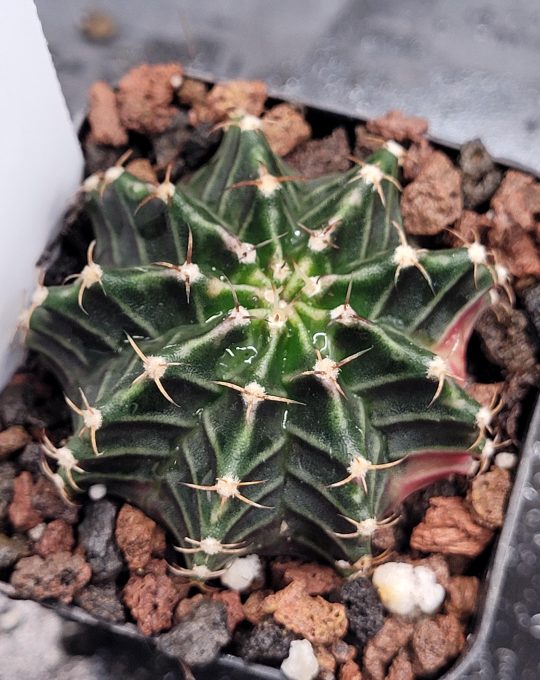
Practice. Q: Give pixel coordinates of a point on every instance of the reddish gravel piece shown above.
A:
(285, 128)
(246, 96)
(449, 528)
(487, 497)
(57, 537)
(22, 514)
(382, 648)
(435, 642)
(138, 537)
(462, 596)
(145, 96)
(318, 157)
(313, 618)
(59, 577)
(397, 125)
(151, 600)
(104, 117)
(12, 439)
(433, 201)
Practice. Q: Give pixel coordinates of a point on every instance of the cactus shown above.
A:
(260, 362)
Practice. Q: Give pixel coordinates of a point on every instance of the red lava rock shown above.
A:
(192, 92)
(253, 606)
(415, 158)
(449, 528)
(516, 207)
(397, 125)
(487, 497)
(317, 579)
(138, 537)
(22, 514)
(433, 201)
(145, 96)
(401, 668)
(382, 648)
(12, 439)
(285, 128)
(318, 157)
(313, 618)
(246, 96)
(103, 116)
(142, 169)
(517, 201)
(151, 600)
(462, 596)
(435, 642)
(342, 651)
(60, 577)
(327, 662)
(57, 537)
(233, 605)
(48, 502)
(517, 250)
(350, 671)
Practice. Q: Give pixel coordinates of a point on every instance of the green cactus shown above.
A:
(262, 363)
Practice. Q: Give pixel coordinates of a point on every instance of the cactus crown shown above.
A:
(262, 363)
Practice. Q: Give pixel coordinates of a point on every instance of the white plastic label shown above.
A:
(40, 164)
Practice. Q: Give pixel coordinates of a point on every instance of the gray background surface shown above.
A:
(470, 66)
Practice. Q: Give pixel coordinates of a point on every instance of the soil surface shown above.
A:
(110, 559)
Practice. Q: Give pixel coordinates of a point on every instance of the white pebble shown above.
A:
(407, 590)
(429, 593)
(97, 491)
(506, 460)
(37, 532)
(241, 572)
(395, 584)
(301, 664)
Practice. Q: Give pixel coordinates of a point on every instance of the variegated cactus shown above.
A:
(262, 363)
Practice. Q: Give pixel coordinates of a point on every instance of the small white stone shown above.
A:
(301, 664)
(429, 593)
(176, 81)
(97, 491)
(407, 590)
(35, 533)
(395, 584)
(241, 572)
(506, 460)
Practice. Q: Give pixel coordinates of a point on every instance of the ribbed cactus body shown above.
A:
(260, 362)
